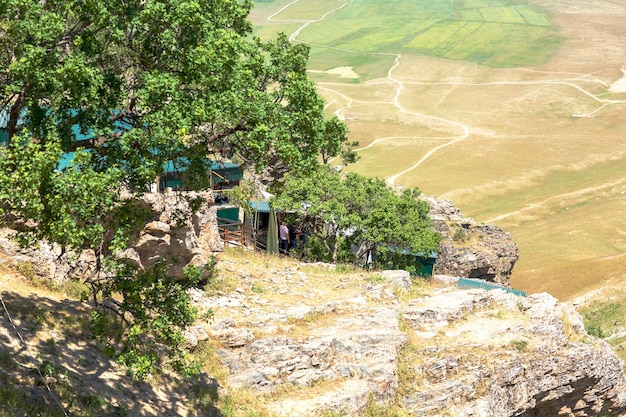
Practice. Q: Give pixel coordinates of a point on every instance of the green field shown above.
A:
(471, 31)
(535, 141)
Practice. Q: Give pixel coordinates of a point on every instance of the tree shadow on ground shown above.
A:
(49, 366)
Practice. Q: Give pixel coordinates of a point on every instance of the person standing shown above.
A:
(283, 239)
(292, 236)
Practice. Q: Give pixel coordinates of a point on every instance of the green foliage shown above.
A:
(602, 319)
(157, 80)
(344, 213)
(313, 251)
(99, 95)
(242, 195)
(398, 260)
(154, 311)
(460, 235)
(201, 275)
(46, 368)
(519, 344)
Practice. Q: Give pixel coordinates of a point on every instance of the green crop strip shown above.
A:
(493, 33)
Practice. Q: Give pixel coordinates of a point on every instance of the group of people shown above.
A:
(288, 238)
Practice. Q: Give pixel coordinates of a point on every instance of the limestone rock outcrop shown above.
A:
(442, 351)
(469, 249)
(45, 261)
(176, 230)
(501, 355)
(171, 230)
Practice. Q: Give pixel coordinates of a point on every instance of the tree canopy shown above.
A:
(124, 86)
(352, 214)
(140, 82)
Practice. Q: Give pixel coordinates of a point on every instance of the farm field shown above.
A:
(513, 110)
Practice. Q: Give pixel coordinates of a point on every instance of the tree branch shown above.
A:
(223, 133)
(16, 109)
(92, 143)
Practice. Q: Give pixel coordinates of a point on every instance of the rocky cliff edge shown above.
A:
(311, 341)
(469, 249)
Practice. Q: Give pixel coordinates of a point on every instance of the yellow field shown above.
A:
(538, 149)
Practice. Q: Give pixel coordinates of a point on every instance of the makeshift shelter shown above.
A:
(261, 217)
(418, 263)
(223, 175)
(265, 224)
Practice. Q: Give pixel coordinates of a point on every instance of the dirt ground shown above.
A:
(44, 330)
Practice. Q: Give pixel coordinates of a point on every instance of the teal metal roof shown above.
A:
(4, 132)
(227, 170)
(66, 160)
(260, 206)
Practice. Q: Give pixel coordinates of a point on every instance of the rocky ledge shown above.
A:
(340, 342)
(469, 249)
(170, 230)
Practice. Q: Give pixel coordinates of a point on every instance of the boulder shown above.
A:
(398, 278)
(174, 231)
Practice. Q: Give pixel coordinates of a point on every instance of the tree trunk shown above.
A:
(16, 109)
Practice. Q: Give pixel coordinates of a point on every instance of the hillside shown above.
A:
(292, 339)
(513, 110)
(47, 357)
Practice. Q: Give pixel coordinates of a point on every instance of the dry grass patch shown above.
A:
(230, 402)
(300, 329)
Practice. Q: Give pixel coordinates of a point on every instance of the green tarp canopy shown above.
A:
(272, 234)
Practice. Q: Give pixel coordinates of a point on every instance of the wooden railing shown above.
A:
(238, 234)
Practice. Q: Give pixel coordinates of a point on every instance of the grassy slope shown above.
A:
(554, 181)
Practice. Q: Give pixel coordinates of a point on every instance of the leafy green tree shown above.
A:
(140, 82)
(123, 86)
(358, 213)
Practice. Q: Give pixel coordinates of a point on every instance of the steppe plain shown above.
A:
(513, 110)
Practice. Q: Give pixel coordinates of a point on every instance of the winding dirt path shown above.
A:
(399, 86)
(559, 197)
